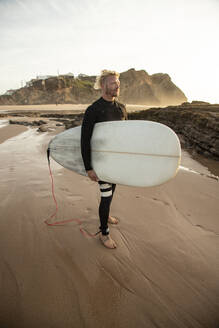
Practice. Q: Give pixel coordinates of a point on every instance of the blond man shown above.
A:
(106, 108)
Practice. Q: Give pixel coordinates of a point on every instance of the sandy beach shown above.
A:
(163, 274)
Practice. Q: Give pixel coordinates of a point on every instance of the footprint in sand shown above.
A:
(160, 201)
(88, 210)
(70, 196)
(154, 199)
(64, 189)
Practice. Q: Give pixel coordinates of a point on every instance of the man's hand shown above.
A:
(92, 175)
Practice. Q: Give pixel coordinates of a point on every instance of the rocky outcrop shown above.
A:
(27, 122)
(165, 89)
(196, 123)
(43, 126)
(137, 87)
(51, 121)
(54, 90)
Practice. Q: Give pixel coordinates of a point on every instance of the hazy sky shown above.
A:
(177, 37)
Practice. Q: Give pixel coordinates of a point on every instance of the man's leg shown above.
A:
(107, 191)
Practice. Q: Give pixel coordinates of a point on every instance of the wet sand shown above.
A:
(10, 131)
(164, 273)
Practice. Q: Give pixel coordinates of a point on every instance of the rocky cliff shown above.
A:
(196, 123)
(137, 87)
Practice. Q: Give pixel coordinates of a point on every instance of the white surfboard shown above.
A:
(134, 153)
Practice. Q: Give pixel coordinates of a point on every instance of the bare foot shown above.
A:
(113, 220)
(107, 241)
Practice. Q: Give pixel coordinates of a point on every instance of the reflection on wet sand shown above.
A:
(163, 273)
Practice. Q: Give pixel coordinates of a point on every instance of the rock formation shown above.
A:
(196, 123)
(137, 87)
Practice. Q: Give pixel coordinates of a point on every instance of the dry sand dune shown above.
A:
(163, 274)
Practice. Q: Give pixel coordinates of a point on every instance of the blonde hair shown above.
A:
(102, 77)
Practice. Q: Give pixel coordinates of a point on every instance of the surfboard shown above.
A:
(132, 152)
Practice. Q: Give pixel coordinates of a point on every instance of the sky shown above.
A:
(51, 37)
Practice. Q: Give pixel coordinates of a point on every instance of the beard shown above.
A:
(112, 93)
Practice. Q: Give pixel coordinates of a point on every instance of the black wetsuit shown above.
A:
(100, 111)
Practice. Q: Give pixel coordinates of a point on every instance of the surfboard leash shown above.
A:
(58, 223)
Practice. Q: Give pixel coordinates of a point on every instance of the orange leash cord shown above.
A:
(83, 231)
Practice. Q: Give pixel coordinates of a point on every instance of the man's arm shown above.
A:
(86, 133)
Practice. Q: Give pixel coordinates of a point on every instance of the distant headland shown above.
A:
(137, 87)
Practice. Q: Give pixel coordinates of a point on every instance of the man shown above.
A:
(104, 109)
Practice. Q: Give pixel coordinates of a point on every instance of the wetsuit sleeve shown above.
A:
(86, 133)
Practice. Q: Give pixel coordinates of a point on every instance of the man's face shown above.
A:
(111, 86)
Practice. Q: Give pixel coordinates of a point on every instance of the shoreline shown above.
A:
(166, 262)
(10, 131)
(73, 108)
